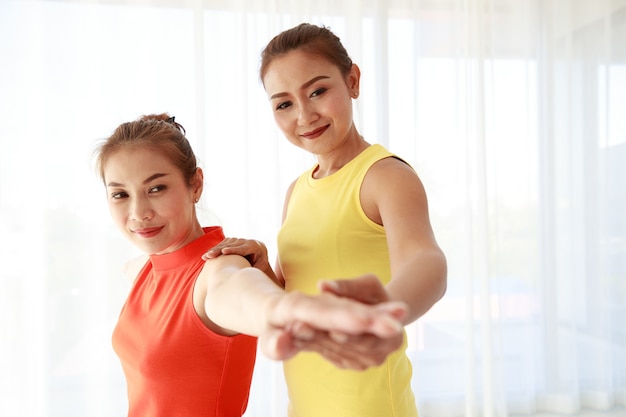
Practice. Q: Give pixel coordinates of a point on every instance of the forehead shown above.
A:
(136, 163)
(297, 67)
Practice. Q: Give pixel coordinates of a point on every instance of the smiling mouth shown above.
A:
(147, 232)
(315, 133)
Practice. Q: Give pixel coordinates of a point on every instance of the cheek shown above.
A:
(178, 208)
(118, 214)
(340, 107)
(283, 122)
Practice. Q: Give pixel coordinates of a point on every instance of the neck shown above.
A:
(334, 161)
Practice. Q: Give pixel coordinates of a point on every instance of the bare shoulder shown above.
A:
(226, 263)
(389, 187)
(392, 176)
(215, 270)
(392, 166)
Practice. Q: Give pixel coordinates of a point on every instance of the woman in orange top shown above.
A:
(186, 335)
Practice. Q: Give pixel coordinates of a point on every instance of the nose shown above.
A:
(140, 210)
(306, 114)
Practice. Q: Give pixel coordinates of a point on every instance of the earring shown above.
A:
(195, 200)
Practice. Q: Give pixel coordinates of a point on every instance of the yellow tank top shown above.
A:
(327, 235)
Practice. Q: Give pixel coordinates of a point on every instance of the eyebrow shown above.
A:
(305, 85)
(146, 181)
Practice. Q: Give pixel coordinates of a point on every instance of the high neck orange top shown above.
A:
(174, 365)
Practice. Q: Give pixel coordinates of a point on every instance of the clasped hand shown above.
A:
(351, 323)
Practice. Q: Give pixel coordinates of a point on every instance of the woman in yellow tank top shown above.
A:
(359, 216)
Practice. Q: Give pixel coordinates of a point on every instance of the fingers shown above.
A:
(216, 250)
(357, 352)
(351, 352)
(397, 309)
(211, 253)
(331, 313)
(251, 249)
(366, 289)
(387, 325)
(302, 331)
(278, 344)
(369, 290)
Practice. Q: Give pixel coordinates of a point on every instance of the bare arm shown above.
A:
(393, 196)
(232, 297)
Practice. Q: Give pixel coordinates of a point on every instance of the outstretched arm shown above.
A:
(237, 298)
(341, 349)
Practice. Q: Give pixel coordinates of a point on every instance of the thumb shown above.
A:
(397, 309)
(211, 253)
(277, 345)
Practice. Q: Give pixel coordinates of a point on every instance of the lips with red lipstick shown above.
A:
(147, 232)
(315, 133)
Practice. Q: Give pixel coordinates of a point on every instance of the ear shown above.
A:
(197, 184)
(353, 80)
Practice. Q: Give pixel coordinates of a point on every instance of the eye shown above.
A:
(119, 195)
(319, 92)
(283, 105)
(157, 188)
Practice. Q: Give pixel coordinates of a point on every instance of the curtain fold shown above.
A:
(511, 111)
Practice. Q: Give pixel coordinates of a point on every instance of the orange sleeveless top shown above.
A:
(174, 365)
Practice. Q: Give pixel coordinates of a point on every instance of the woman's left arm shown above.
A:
(393, 195)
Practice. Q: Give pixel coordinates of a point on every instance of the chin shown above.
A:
(146, 247)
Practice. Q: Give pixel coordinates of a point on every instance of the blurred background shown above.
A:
(511, 111)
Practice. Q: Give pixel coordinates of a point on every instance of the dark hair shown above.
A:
(156, 131)
(318, 40)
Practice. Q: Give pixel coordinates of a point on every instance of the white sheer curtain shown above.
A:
(512, 112)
